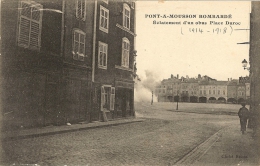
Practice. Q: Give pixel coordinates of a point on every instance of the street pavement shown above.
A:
(156, 136)
(227, 147)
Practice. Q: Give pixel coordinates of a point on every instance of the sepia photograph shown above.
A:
(129, 83)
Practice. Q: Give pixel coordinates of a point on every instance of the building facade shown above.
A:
(254, 61)
(32, 60)
(113, 59)
(204, 90)
(67, 61)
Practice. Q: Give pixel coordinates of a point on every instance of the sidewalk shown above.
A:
(227, 147)
(50, 130)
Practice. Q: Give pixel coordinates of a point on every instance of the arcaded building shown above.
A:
(202, 89)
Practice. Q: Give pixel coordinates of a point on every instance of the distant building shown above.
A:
(203, 89)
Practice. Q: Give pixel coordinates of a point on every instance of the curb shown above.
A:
(99, 125)
(196, 153)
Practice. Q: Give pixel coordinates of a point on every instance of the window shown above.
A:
(209, 91)
(107, 98)
(81, 9)
(104, 19)
(78, 45)
(30, 24)
(219, 92)
(213, 91)
(224, 92)
(102, 55)
(126, 16)
(125, 52)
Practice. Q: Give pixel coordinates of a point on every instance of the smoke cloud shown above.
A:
(144, 88)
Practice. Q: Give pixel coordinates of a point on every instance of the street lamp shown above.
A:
(244, 65)
(251, 120)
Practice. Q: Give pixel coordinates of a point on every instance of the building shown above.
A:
(32, 62)
(254, 61)
(202, 89)
(232, 90)
(168, 90)
(67, 61)
(113, 59)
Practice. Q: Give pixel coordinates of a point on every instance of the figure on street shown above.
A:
(243, 114)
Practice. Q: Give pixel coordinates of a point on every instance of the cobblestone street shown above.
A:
(164, 138)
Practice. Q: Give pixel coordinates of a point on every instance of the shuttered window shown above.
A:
(81, 9)
(30, 24)
(103, 98)
(112, 99)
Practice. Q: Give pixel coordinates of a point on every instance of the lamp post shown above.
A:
(177, 99)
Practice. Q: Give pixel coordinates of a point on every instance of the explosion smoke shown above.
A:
(144, 88)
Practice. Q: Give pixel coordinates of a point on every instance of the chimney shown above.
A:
(177, 76)
(171, 75)
(228, 79)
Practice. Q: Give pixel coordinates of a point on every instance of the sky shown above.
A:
(177, 49)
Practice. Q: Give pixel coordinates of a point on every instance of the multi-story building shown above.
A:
(169, 90)
(113, 58)
(32, 62)
(245, 91)
(204, 89)
(67, 61)
(232, 90)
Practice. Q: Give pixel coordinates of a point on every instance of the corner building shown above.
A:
(113, 59)
(66, 61)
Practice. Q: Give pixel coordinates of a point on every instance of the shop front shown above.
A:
(124, 99)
